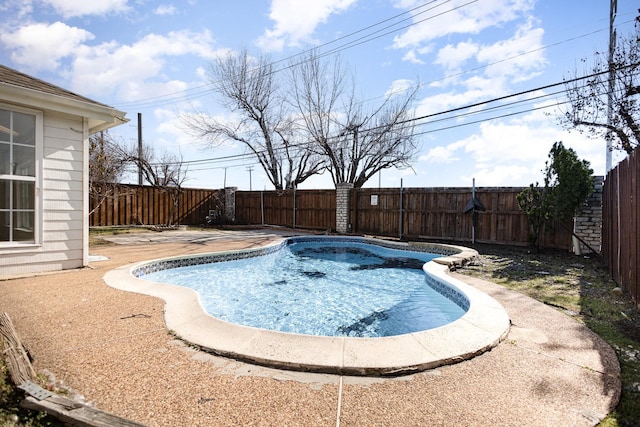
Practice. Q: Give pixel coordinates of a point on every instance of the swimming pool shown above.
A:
(327, 286)
(484, 324)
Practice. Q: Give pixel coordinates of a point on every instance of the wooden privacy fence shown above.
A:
(621, 224)
(428, 213)
(312, 209)
(438, 213)
(145, 205)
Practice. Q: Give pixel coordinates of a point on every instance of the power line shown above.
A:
(162, 102)
(181, 96)
(416, 120)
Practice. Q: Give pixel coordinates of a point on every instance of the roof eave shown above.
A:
(101, 117)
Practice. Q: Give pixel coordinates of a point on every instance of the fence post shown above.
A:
(401, 213)
(342, 207)
(294, 207)
(262, 207)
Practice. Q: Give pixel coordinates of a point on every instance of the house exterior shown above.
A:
(44, 173)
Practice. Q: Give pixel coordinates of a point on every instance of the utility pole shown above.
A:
(613, 10)
(225, 178)
(139, 148)
(250, 169)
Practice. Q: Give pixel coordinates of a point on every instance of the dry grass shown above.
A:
(580, 286)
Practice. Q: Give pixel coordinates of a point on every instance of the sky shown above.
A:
(153, 59)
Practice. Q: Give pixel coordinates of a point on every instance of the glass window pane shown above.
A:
(24, 128)
(24, 195)
(5, 125)
(5, 197)
(24, 160)
(23, 226)
(4, 226)
(5, 152)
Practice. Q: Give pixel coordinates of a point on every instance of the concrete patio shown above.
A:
(113, 348)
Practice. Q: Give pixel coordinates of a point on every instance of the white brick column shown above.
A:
(342, 207)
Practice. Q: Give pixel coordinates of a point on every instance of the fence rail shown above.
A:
(621, 224)
(313, 209)
(145, 205)
(428, 213)
(438, 213)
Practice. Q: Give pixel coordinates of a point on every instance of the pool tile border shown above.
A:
(482, 327)
(444, 289)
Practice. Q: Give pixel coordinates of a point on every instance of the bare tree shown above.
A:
(248, 86)
(589, 97)
(358, 142)
(165, 172)
(107, 165)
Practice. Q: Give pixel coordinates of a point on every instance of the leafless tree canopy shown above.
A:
(165, 172)
(589, 98)
(107, 166)
(249, 88)
(358, 141)
(309, 122)
(110, 160)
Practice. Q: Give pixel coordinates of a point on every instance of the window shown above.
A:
(17, 177)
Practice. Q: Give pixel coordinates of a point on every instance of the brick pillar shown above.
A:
(342, 207)
(588, 223)
(230, 204)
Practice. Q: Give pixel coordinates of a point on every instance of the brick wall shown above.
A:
(588, 223)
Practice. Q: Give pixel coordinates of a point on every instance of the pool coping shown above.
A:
(481, 328)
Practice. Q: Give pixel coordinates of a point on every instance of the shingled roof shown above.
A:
(12, 77)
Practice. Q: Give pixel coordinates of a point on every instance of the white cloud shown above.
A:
(71, 8)
(110, 67)
(171, 131)
(42, 46)
(22, 8)
(452, 57)
(499, 142)
(506, 62)
(445, 101)
(457, 18)
(411, 56)
(399, 86)
(295, 21)
(502, 175)
(510, 153)
(520, 56)
(166, 9)
(439, 154)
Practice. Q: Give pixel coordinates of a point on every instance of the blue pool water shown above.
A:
(328, 288)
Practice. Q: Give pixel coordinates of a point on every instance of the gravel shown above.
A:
(113, 350)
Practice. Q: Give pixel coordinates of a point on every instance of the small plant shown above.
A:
(11, 413)
(568, 183)
(532, 202)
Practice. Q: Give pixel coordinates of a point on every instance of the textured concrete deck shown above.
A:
(483, 326)
(113, 348)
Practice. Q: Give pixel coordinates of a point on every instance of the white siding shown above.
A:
(63, 198)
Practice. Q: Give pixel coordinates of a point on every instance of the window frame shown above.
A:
(37, 180)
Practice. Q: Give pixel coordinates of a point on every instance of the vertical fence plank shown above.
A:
(145, 205)
(621, 220)
(430, 213)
